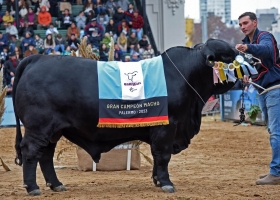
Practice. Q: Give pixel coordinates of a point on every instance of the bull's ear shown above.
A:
(210, 60)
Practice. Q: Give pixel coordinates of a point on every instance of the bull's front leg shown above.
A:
(47, 168)
(161, 147)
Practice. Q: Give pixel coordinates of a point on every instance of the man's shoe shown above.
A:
(269, 180)
(262, 176)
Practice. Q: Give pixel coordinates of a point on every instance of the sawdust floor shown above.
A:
(222, 162)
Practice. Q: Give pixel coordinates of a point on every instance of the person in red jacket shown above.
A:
(136, 23)
(44, 18)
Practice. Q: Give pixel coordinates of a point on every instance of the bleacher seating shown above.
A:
(76, 9)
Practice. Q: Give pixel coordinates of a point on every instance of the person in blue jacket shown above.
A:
(263, 45)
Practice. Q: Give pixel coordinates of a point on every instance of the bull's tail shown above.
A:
(20, 69)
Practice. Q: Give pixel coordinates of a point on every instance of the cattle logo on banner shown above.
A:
(129, 94)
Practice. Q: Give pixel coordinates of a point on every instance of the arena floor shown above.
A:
(222, 162)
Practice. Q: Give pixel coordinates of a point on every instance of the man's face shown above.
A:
(247, 26)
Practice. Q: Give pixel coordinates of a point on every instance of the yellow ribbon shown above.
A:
(222, 72)
(237, 67)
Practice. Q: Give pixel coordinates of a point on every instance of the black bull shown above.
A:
(57, 96)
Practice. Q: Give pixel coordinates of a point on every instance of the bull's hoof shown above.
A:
(60, 188)
(36, 192)
(168, 189)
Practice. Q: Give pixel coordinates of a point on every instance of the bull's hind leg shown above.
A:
(32, 147)
(161, 147)
(47, 168)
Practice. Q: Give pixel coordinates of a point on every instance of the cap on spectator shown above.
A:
(93, 19)
(28, 32)
(0, 33)
(12, 54)
(31, 45)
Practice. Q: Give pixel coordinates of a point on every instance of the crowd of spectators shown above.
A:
(98, 20)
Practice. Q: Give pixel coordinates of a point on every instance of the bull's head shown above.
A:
(217, 50)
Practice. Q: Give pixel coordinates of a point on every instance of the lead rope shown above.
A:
(242, 109)
(185, 79)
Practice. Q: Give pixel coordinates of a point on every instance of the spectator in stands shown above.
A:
(93, 25)
(1, 3)
(134, 57)
(39, 43)
(11, 7)
(52, 30)
(3, 42)
(44, 18)
(53, 8)
(31, 18)
(118, 54)
(118, 16)
(60, 44)
(30, 51)
(81, 20)
(91, 15)
(88, 6)
(132, 41)
(110, 7)
(67, 51)
(100, 7)
(106, 40)
(134, 50)
(143, 43)
(23, 10)
(123, 4)
(40, 3)
(25, 29)
(103, 52)
(136, 23)
(73, 42)
(10, 87)
(123, 28)
(26, 41)
(63, 5)
(19, 55)
(94, 39)
(130, 10)
(103, 19)
(127, 59)
(112, 29)
(65, 20)
(73, 29)
(14, 42)
(149, 52)
(21, 24)
(7, 18)
(122, 42)
(11, 30)
(4, 55)
(49, 44)
(10, 67)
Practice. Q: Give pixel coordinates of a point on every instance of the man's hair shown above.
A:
(251, 15)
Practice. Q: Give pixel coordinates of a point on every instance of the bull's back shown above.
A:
(59, 85)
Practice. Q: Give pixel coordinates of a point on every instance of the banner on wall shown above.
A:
(8, 118)
(232, 103)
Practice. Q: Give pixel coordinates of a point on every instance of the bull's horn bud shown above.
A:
(24, 186)
(48, 184)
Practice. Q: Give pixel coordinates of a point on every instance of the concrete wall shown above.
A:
(167, 22)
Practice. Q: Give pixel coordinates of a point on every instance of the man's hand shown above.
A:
(246, 79)
(241, 47)
(12, 74)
